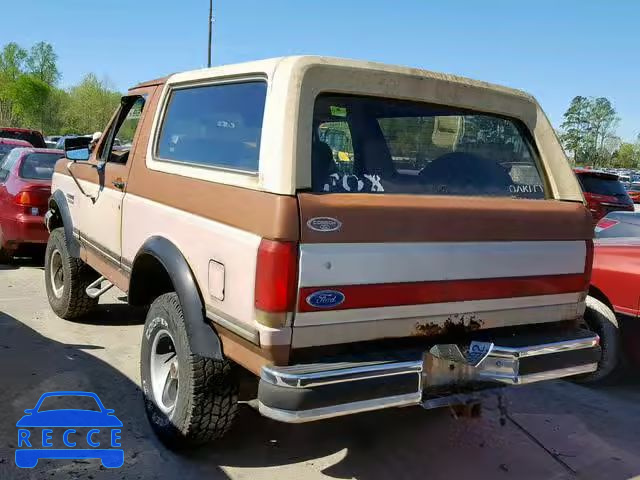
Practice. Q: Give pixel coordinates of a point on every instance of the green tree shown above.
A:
(30, 98)
(627, 156)
(575, 127)
(90, 105)
(588, 130)
(12, 59)
(41, 63)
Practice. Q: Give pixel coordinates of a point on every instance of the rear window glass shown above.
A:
(214, 126)
(39, 166)
(375, 145)
(601, 186)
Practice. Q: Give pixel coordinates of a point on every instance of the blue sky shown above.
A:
(552, 49)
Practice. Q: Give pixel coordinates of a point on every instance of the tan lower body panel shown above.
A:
(95, 260)
(250, 356)
(419, 326)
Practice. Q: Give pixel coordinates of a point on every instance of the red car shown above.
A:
(34, 137)
(634, 195)
(603, 192)
(25, 187)
(613, 304)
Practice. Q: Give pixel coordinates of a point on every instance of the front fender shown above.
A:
(58, 205)
(202, 338)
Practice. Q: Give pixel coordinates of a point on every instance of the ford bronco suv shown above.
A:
(349, 236)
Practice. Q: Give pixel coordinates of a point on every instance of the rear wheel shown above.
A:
(189, 399)
(600, 319)
(66, 279)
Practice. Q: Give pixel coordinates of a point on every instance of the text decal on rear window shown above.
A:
(376, 145)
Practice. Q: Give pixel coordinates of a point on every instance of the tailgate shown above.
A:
(378, 266)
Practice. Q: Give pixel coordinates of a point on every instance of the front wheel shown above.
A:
(189, 399)
(66, 279)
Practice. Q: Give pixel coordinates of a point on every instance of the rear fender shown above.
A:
(202, 338)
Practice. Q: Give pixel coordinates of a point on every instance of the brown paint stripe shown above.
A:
(420, 218)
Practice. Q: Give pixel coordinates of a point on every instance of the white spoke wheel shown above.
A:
(164, 371)
(56, 272)
(189, 399)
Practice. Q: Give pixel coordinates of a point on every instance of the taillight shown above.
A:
(605, 223)
(33, 201)
(276, 282)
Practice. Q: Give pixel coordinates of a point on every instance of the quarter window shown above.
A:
(214, 126)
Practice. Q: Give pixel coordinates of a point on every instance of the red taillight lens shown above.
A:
(605, 223)
(276, 277)
(32, 198)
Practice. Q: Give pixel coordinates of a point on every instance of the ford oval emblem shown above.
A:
(325, 299)
(324, 224)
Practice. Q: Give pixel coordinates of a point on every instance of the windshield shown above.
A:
(39, 166)
(601, 185)
(375, 145)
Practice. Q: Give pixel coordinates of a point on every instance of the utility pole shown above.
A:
(210, 29)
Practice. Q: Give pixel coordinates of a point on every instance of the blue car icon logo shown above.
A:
(83, 432)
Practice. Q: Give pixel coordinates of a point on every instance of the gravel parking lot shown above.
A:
(556, 430)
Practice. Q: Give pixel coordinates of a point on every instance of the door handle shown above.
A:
(118, 183)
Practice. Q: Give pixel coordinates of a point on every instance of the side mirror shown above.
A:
(77, 148)
(80, 154)
(28, 411)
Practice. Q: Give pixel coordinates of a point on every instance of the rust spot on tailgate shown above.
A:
(457, 323)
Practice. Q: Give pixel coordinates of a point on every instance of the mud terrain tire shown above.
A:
(203, 404)
(66, 285)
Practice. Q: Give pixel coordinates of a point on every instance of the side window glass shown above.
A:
(118, 144)
(214, 126)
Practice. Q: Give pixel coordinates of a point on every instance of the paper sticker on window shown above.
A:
(338, 111)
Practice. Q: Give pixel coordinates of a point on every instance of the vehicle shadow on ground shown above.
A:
(113, 314)
(405, 443)
(18, 262)
(33, 364)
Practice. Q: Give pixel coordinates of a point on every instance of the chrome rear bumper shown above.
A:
(303, 393)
